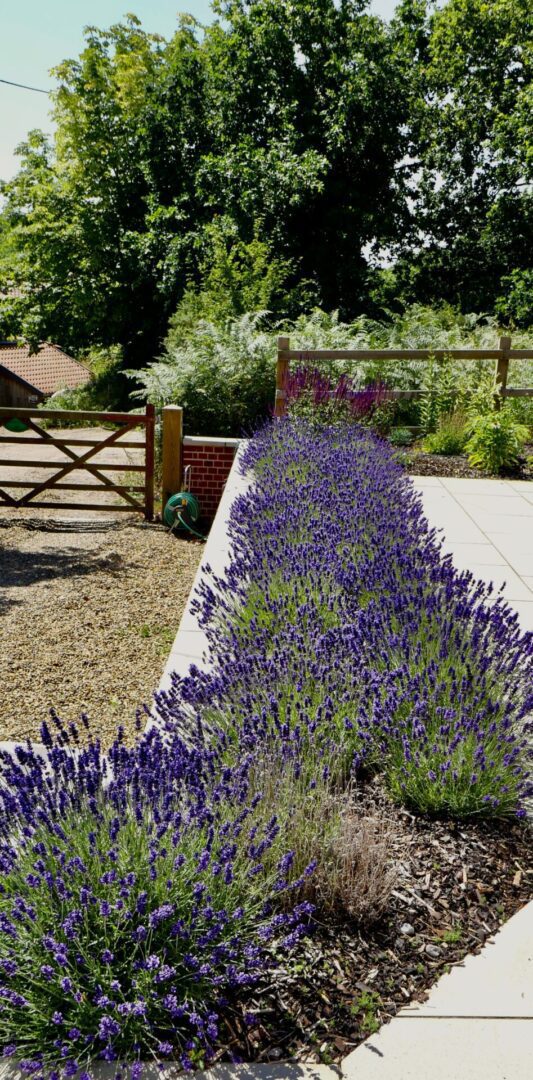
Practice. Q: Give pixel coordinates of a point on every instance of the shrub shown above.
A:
(223, 376)
(450, 436)
(105, 390)
(496, 441)
(340, 625)
(310, 393)
(133, 896)
(356, 872)
(401, 436)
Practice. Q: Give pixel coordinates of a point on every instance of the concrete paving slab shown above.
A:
(520, 525)
(426, 481)
(508, 505)
(465, 556)
(496, 983)
(524, 610)
(501, 577)
(523, 487)
(459, 485)
(458, 530)
(515, 550)
(422, 1049)
(190, 643)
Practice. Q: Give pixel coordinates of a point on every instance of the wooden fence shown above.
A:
(503, 356)
(138, 498)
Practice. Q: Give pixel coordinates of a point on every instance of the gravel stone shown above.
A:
(433, 951)
(407, 929)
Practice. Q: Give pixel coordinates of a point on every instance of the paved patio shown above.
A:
(488, 528)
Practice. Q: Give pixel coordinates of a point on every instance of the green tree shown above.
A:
(310, 105)
(105, 225)
(474, 208)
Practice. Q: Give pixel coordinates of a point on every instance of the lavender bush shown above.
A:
(134, 896)
(342, 627)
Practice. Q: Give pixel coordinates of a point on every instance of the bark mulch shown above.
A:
(421, 464)
(457, 883)
(88, 612)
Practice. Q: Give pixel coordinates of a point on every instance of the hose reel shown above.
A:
(183, 510)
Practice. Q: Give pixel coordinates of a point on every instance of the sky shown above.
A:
(35, 35)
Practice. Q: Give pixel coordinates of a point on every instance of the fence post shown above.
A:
(149, 438)
(282, 370)
(172, 452)
(502, 369)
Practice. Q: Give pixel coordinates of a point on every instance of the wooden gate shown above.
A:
(136, 497)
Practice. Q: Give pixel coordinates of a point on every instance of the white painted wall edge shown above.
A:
(189, 646)
(210, 440)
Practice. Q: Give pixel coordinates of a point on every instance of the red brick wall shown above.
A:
(210, 466)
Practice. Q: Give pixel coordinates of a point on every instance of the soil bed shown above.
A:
(421, 464)
(88, 612)
(458, 882)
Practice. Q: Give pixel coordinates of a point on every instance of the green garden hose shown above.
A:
(182, 509)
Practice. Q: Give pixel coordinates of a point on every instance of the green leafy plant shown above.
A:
(104, 391)
(443, 389)
(401, 436)
(453, 935)
(367, 1003)
(222, 375)
(496, 441)
(449, 438)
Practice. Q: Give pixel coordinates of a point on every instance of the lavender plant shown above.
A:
(341, 624)
(134, 896)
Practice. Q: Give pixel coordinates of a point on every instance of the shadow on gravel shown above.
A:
(72, 525)
(19, 568)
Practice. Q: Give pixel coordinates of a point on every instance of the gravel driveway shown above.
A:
(89, 606)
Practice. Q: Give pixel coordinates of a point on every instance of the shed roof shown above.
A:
(47, 370)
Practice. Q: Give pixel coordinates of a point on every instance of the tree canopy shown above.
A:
(307, 146)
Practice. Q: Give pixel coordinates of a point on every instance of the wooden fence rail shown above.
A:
(74, 461)
(503, 355)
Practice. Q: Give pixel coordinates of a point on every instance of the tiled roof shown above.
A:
(47, 370)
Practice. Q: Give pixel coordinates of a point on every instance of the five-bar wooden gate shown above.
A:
(136, 497)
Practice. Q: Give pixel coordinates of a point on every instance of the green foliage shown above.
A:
(496, 441)
(401, 436)
(223, 376)
(443, 392)
(367, 1005)
(450, 437)
(105, 390)
(262, 122)
(268, 164)
(237, 278)
(471, 141)
(516, 303)
(223, 373)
